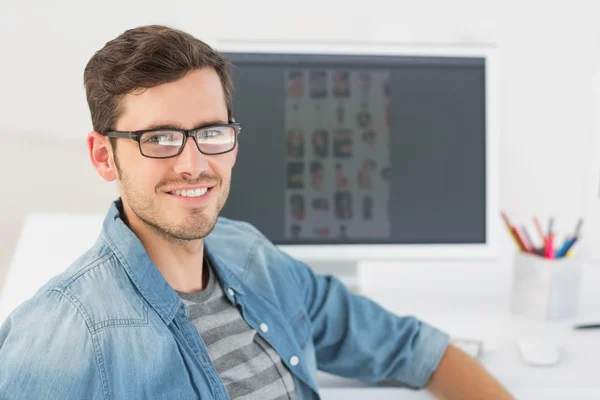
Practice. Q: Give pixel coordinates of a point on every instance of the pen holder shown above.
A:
(545, 289)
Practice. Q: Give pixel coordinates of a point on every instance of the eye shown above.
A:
(162, 138)
(211, 133)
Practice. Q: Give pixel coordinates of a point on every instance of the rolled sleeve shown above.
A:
(430, 346)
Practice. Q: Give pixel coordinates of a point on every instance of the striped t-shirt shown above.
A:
(246, 363)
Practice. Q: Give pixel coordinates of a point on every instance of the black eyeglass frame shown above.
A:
(137, 135)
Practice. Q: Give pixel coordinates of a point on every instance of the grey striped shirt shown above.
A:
(246, 363)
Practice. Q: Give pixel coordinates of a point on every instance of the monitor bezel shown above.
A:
(370, 252)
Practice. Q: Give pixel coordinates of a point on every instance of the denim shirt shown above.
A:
(111, 327)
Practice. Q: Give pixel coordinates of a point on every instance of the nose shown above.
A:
(191, 162)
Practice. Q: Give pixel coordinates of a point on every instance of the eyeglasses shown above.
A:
(167, 143)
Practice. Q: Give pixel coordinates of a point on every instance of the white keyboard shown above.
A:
(470, 346)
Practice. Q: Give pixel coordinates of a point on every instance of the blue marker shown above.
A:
(565, 247)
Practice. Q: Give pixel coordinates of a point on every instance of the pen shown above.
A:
(536, 221)
(570, 245)
(578, 227)
(569, 242)
(564, 248)
(548, 250)
(524, 246)
(587, 326)
(513, 232)
(510, 229)
(527, 237)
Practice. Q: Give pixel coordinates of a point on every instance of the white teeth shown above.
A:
(191, 192)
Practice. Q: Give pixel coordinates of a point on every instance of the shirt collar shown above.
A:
(228, 279)
(144, 274)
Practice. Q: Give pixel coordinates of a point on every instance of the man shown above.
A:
(174, 303)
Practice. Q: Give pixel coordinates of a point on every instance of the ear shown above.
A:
(101, 156)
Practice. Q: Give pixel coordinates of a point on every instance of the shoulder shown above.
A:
(250, 254)
(241, 230)
(46, 346)
(240, 244)
(242, 236)
(94, 288)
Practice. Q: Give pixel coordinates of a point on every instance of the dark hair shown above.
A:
(142, 58)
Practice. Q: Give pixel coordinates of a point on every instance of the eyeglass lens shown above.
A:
(167, 143)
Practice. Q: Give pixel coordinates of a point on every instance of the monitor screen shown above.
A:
(360, 149)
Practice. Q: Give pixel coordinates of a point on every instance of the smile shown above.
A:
(190, 192)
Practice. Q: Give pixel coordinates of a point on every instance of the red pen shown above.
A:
(549, 250)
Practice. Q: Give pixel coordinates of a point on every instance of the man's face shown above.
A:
(147, 185)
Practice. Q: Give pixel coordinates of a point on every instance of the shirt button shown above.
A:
(294, 361)
(231, 292)
(264, 328)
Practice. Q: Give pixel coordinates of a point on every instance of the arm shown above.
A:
(46, 351)
(459, 376)
(356, 338)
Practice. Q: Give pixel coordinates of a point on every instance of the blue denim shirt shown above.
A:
(111, 327)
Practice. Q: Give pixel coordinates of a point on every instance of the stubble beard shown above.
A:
(197, 225)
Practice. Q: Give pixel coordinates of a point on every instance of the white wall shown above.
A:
(549, 54)
(46, 174)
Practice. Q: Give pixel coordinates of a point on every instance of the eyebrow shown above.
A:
(175, 126)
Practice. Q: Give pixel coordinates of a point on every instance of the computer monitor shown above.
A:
(366, 152)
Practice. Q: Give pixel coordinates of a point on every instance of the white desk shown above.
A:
(576, 377)
(41, 254)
